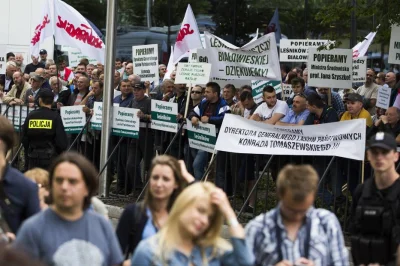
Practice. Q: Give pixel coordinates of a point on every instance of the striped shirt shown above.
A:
(326, 245)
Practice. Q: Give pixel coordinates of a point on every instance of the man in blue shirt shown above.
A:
(126, 96)
(18, 195)
(299, 113)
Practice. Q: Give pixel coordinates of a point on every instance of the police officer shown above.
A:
(375, 221)
(43, 133)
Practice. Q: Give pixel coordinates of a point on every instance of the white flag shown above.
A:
(188, 36)
(362, 47)
(72, 29)
(43, 30)
(171, 65)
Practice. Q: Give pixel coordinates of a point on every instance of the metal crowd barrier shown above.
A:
(247, 178)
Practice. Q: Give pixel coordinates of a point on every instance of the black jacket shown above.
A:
(130, 227)
(3, 83)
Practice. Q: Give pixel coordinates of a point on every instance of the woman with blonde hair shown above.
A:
(167, 179)
(191, 235)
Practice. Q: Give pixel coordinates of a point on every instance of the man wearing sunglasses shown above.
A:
(375, 212)
(369, 91)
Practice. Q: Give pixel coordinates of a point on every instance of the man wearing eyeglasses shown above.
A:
(369, 91)
(162, 69)
(298, 114)
(375, 212)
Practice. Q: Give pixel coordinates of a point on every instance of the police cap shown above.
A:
(383, 140)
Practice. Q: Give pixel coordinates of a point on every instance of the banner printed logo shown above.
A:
(39, 28)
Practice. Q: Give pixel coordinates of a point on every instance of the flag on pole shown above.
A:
(361, 48)
(274, 26)
(171, 65)
(188, 36)
(43, 30)
(72, 29)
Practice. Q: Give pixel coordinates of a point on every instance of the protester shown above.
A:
(64, 72)
(294, 232)
(332, 99)
(81, 91)
(355, 109)
(374, 219)
(298, 114)
(6, 80)
(298, 87)
(67, 233)
(389, 122)
(32, 94)
(390, 80)
(19, 199)
(369, 91)
(212, 110)
(16, 95)
(43, 56)
(34, 65)
(320, 113)
(162, 69)
(191, 234)
(167, 179)
(61, 93)
(117, 81)
(271, 110)
(228, 93)
(19, 61)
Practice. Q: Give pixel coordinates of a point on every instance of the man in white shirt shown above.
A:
(271, 110)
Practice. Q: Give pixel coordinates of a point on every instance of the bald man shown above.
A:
(390, 123)
(390, 80)
(128, 71)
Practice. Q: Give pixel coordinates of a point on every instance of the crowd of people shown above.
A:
(180, 219)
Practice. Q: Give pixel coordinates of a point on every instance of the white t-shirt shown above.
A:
(266, 113)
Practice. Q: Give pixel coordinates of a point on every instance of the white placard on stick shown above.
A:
(286, 91)
(164, 116)
(360, 69)
(125, 122)
(194, 73)
(73, 118)
(258, 86)
(344, 139)
(394, 46)
(97, 117)
(383, 98)
(145, 62)
(202, 137)
(3, 51)
(297, 50)
(330, 68)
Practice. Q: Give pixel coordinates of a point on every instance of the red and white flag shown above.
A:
(72, 29)
(361, 48)
(188, 36)
(43, 30)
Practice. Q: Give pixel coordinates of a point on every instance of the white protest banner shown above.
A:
(125, 122)
(194, 73)
(330, 68)
(75, 55)
(73, 118)
(97, 117)
(258, 62)
(383, 98)
(297, 50)
(3, 52)
(145, 62)
(360, 69)
(344, 139)
(17, 115)
(394, 46)
(286, 91)
(201, 137)
(164, 116)
(257, 87)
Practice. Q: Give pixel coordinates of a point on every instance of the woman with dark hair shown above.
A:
(168, 178)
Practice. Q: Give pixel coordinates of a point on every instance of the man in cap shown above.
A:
(32, 94)
(375, 222)
(355, 109)
(141, 148)
(43, 56)
(43, 133)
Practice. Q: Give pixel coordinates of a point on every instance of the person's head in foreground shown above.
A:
(296, 187)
